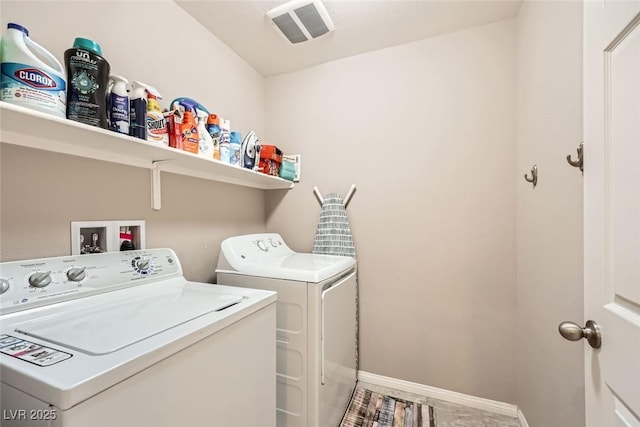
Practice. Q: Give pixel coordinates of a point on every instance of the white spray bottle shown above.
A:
(205, 143)
(119, 105)
(138, 111)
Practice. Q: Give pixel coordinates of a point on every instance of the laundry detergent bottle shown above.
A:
(88, 78)
(31, 76)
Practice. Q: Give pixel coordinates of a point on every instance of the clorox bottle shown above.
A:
(31, 76)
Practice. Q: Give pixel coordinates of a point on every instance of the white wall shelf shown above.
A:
(28, 128)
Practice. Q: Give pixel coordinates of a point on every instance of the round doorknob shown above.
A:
(574, 332)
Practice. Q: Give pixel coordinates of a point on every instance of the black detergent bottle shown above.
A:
(87, 81)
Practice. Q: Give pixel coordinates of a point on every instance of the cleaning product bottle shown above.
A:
(189, 133)
(31, 76)
(235, 142)
(170, 120)
(88, 77)
(156, 123)
(225, 141)
(225, 148)
(197, 107)
(138, 111)
(213, 127)
(118, 103)
(205, 147)
(147, 120)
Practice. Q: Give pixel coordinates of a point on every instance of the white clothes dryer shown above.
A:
(316, 323)
(122, 339)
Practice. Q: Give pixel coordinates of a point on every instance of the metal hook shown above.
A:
(534, 176)
(347, 198)
(318, 195)
(579, 162)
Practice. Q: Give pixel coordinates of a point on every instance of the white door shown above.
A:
(612, 210)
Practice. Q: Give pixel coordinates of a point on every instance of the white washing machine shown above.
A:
(122, 339)
(316, 323)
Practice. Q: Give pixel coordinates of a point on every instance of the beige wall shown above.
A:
(42, 192)
(426, 131)
(550, 388)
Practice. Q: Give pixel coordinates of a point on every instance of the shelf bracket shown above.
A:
(156, 185)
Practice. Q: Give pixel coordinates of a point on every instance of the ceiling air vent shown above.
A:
(301, 20)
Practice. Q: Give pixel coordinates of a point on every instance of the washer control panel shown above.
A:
(32, 283)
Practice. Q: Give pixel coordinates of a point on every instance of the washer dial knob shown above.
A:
(273, 243)
(40, 280)
(4, 286)
(142, 265)
(77, 274)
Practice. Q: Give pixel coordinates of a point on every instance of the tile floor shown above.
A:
(450, 414)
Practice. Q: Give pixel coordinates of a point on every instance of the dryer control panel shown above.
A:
(32, 283)
(242, 251)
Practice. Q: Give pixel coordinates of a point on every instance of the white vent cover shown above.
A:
(301, 20)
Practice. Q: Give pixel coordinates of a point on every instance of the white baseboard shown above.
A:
(522, 420)
(441, 394)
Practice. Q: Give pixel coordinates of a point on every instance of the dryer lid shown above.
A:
(108, 327)
(302, 267)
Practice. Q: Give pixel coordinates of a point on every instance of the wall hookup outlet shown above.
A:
(130, 235)
(89, 237)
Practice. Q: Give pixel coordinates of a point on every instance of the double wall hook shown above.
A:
(346, 199)
(534, 176)
(578, 163)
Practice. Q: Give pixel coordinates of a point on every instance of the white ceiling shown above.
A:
(361, 26)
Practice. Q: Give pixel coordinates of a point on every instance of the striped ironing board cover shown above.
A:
(333, 236)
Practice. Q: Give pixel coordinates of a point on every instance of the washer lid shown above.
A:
(108, 327)
(302, 267)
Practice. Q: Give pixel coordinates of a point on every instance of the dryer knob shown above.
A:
(4, 286)
(40, 280)
(273, 243)
(262, 246)
(76, 274)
